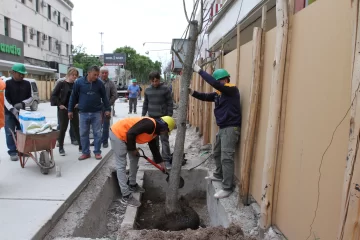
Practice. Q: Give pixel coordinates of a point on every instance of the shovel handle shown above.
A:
(150, 161)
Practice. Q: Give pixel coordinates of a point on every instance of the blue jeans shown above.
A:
(94, 119)
(11, 123)
(105, 130)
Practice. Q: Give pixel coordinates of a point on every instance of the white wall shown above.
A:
(25, 14)
(235, 13)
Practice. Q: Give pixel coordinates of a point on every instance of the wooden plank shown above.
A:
(272, 132)
(250, 131)
(238, 44)
(283, 110)
(350, 205)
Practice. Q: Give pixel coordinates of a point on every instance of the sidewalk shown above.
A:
(29, 200)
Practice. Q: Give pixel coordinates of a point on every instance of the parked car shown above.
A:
(34, 92)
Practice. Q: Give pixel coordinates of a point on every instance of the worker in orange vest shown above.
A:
(124, 135)
(2, 109)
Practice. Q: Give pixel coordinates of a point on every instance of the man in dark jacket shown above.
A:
(17, 94)
(90, 95)
(158, 103)
(228, 118)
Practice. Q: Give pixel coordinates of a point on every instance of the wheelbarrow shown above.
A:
(29, 146)
(161, 168)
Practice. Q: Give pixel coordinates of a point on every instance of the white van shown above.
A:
(34, 92)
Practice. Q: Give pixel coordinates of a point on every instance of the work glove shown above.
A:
(19, 106)
(191, 91)
(196, 68)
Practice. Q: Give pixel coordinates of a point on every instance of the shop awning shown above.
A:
(29, 68)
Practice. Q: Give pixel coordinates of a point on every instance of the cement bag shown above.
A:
(26, 118)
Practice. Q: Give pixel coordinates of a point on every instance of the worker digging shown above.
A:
(124, 135)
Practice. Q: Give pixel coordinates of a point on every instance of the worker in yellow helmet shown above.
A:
(124, 135)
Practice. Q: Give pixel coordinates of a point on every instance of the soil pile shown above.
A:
(214, 233)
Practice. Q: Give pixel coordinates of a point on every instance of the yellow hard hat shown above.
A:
(170, 122)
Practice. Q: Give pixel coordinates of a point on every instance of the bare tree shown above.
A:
(173, 205)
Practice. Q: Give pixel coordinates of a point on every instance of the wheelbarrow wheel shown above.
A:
(44, 161)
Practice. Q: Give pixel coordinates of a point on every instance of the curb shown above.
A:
(46, 228)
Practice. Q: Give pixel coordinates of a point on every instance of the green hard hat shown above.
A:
(134, 80)
(220, 74)
(19, 67)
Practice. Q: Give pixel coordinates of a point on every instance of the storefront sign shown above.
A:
(11, 49)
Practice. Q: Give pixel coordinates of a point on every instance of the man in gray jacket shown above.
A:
(111, 93)
(158, 103)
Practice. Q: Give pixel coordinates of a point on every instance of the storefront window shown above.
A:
(7, 26)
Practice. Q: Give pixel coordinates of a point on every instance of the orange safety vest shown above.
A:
(2, 109)
(121, 128)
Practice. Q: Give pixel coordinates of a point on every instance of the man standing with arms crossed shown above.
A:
(17, 94)
(158, 103)
(90, 95)
(111, 93)
(228, 118)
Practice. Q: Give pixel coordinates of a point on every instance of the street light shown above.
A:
(157, 42)
(156, 50)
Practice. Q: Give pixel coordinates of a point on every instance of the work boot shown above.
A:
(168, 165)
(84, 156)
(222, 194)
(136, 188)
(130, 201)
(61, 151)
(14, 157)
(213, 178)
(105, 145)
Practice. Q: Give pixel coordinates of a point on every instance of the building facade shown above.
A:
(41, 33)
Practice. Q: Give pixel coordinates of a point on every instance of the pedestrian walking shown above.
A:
(2, 105)
(17, 94)
(124, 136)
(228, 118)
(60, 97)
(158, 103)
(71, 131)
(89, 95)
(134, 91)
(111, 93)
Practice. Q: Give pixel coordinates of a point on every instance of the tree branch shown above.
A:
(210, 61)
(186, 15)
(201, 16)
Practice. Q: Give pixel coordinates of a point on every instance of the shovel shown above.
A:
(161, 168)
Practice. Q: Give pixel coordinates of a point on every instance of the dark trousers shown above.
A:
(132, 102)
(71, 130)
(64, 122)
(11, 124)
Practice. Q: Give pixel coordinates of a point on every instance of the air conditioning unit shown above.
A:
(44, 37)
(55, 13)
(32, 31)
(72, 23)
(44, 4)
(65, 19)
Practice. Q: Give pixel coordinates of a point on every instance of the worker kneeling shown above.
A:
(124, 135)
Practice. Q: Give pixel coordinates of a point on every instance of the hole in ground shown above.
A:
(151, 214)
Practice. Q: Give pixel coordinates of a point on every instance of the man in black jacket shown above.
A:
(158, 103)
(17, 94)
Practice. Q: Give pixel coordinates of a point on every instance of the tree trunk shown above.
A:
(172, 201)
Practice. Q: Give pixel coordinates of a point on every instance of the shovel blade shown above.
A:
(181, 182)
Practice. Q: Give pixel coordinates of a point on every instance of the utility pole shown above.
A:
(172, 193)
(102, 45)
